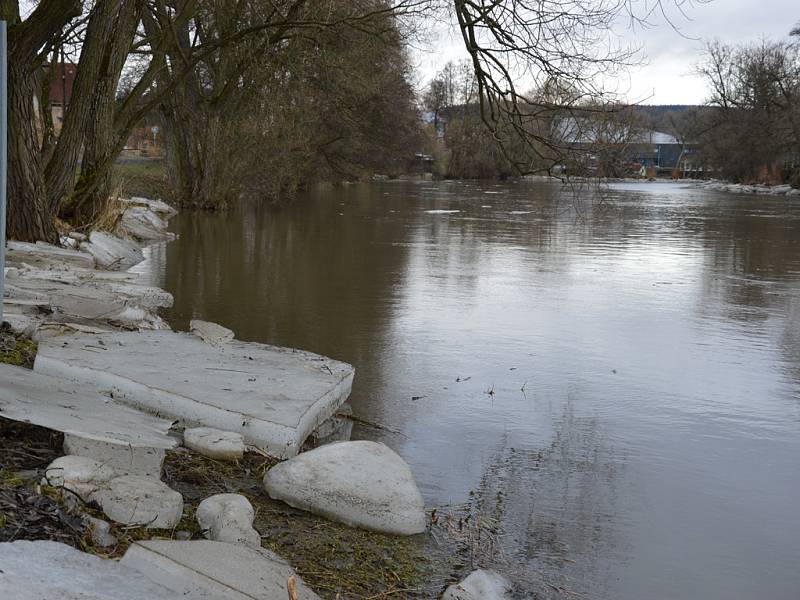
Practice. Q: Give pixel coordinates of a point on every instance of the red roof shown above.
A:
(62, 81)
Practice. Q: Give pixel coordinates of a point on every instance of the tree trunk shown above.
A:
(182, 161)
(29, 218)
(196, 158)
(90, 120)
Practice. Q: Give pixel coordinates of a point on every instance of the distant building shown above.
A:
(631, 147)
(62, 81)
(662, 151)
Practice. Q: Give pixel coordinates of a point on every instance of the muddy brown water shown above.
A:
(614, 378)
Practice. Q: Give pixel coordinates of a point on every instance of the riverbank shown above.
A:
(333, 559)
(740, 188)
(57, 293)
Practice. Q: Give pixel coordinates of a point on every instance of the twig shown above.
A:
(361, 421)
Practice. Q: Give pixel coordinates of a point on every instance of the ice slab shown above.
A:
(362, 484)
(480, 585)
(275, 397)
(228, 518)
(214, 443)
(20, 323)
(138, 500)
(80, 474)
(211, 333)
(157, 206)
(45, 570)
(46, 255)
(203, 568)
(55, 328)
(117, 303)
(79, 410)
(144, 224)
(112, 252)
(124, 458)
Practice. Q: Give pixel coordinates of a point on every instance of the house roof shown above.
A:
(584, 130)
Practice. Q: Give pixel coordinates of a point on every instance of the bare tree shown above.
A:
(435, 99)
(754, 129)
(540, 40)
(240, 91)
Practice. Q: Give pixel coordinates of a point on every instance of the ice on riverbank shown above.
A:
(46, 256)
(362, 484)
(210, 333)
(144, 225)
(275, 397)
(149, 570)
(208, 569)
(85, 298)
(51, 570)
(48, 284)
(739, 188)
(228, 518)
(214, 443)
(80, 411)
(137, 500)
(78, 474)
(480, 585)
(159, 207)
(111, 252)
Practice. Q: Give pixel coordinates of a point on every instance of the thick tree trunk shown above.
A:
(90, 120)
(196, 158)
(29, 218)
(199, 166)
(183, 169)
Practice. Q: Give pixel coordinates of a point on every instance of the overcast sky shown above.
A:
(667, 77)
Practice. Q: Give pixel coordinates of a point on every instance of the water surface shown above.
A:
(614, 377)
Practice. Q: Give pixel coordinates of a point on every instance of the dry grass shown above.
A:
(337, 561)
(141, 178)
(109, 215)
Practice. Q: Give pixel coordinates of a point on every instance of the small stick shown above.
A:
(368, 423)
(290, 587)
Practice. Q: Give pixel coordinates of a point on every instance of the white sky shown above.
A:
(667, 76)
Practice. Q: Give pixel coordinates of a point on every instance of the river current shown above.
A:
(612, 376)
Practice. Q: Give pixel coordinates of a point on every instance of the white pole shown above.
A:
(3, 157)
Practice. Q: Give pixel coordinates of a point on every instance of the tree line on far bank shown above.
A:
(259, 97)
(748, 131)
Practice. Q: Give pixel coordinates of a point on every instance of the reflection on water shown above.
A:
(613, 378)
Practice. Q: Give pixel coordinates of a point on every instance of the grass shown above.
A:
(337, 561)
(142, 177)
(16, 349)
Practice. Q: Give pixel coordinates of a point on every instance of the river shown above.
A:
(613, 377)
